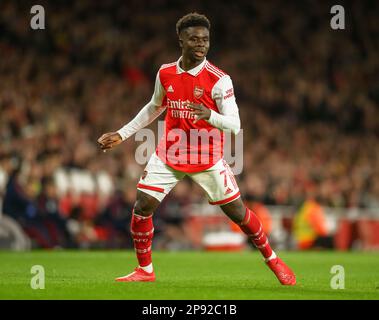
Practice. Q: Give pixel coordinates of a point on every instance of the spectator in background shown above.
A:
(48, 210)
(19, 203)
(116, 217)
(310, 228)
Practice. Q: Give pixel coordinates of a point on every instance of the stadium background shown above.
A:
(308, 98)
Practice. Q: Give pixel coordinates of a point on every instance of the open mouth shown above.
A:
(199, 54)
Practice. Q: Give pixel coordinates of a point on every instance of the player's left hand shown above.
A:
(200, 111)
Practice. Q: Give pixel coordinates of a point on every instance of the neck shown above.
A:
(187, 63)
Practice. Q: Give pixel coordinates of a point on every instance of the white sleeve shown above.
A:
(147, 114)
(228, 118)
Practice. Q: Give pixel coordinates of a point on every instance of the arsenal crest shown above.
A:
(198, 92)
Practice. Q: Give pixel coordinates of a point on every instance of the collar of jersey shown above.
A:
(194, 71)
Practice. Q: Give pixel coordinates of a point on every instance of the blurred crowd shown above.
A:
(308, 98)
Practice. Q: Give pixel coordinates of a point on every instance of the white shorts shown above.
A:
(218, 181)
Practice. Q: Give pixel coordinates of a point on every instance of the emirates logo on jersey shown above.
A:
(198, 92)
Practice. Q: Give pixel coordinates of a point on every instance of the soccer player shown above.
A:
(200, 102)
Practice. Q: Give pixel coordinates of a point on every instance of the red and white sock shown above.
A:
(142, 231)
(252, 227)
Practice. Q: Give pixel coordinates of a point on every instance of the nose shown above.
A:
(200, 43)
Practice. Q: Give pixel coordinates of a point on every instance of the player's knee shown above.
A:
(145, 205)
(235, 210)
(143, 208)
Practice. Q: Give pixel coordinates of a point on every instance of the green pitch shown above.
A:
(186, 275)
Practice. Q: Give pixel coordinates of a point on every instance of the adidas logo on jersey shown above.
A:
(170, 89)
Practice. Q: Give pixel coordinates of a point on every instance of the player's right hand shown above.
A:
(109, 140)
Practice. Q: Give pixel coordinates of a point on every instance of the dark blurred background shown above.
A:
(308, 98)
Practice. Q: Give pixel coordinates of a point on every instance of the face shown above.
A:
(194, 42)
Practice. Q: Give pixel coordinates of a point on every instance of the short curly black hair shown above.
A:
(193, 19)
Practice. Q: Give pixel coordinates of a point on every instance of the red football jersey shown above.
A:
(187, 146)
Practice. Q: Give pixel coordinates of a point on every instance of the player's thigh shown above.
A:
(158, 179)
(219, 183)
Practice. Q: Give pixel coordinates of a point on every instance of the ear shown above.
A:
(180, 42)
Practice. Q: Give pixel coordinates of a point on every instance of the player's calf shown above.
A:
(253, 228)
(142, 230)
